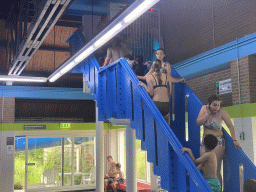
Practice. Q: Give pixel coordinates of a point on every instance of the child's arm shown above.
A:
(200, 160)
(108, 57)
(141, 77)
(120, 174)
(199, 167)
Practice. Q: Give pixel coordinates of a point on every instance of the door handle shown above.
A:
(30, 164)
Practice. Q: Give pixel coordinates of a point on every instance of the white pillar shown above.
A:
(99, 153)
(7, 161)
(154, 179)
(131, 168)
(121, 150)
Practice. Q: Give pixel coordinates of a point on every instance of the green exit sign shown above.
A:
(65, 125)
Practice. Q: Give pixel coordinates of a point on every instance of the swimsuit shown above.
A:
(214, 184)
(163, 107)
(165, 85)
(214, 125)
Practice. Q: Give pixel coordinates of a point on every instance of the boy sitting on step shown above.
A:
(207, 162)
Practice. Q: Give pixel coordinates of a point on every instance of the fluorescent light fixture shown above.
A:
(16, 78)
(108, 35)
(53, 78)
(84, 54)
(68, 67)
(139, 10)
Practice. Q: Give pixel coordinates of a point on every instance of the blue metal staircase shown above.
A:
(115, 87)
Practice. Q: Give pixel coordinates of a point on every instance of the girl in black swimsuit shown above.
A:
(163, 107)
(159, 91)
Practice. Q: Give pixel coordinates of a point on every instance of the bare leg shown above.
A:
(220, 152)
(114, 186)
(105, 184)
(167, 118)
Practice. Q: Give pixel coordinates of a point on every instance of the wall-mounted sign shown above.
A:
(10, 141)
(224, 87)
(34, 126)
(9, 145)
(65, 125)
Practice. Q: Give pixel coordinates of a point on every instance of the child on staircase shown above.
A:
(207, 162)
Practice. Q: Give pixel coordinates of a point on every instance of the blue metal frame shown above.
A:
(217, 58)
(27, 92)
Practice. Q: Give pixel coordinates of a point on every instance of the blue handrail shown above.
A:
(115, 87)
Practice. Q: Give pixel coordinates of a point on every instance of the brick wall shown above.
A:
(7, 109)
(204, 86)
(252, 78)
(243, 81)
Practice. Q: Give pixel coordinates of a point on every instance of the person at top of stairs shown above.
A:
(119, 49)
(158, 89)
(207, 162)
(165, 66)
(212, 116)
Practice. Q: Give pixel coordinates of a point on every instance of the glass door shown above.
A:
(43, 163)
(55, 163)
(84, 164)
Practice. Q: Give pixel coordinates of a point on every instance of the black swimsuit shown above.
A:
(163, 107)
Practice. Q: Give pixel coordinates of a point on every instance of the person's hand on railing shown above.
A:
(183, 80)
(236, 144)
(142, 84)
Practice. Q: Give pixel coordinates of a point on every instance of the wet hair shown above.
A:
(156, 68)
(139, 59)
(250, 185)
(109, 157)
(118, 165)
(210, 141)
(128, 57)
(213, 98)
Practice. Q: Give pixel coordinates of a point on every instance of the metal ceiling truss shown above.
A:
(48, 13)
